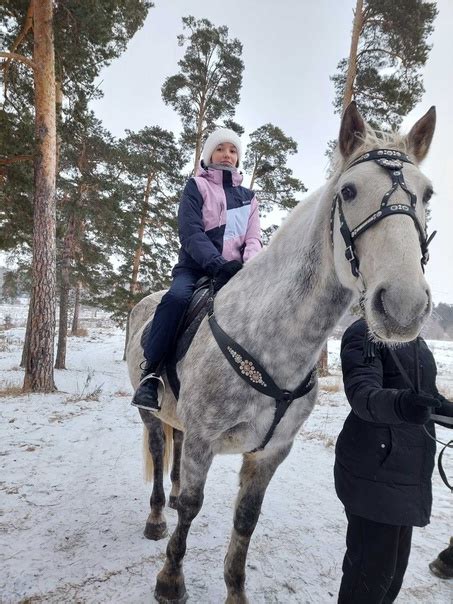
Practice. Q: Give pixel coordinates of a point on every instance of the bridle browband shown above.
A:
(392, 161)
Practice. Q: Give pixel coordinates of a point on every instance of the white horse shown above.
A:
(333, 248)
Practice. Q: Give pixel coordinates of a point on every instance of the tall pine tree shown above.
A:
(207, 87)
(388, 49)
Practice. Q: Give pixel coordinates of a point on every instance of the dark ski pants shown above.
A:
(168, 315)
(375, 561)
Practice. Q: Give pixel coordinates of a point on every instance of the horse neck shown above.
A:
(285, 303)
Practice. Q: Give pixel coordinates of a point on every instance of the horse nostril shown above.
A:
(378, 300)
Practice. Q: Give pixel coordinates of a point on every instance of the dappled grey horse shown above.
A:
(335, 247)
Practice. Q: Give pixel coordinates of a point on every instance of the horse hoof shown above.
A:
(173, 502)
(155, 531)
(170, 593)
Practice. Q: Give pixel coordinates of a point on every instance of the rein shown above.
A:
(255, 375)
(392, 161)
(416, 389)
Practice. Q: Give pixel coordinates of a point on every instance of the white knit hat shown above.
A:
(223, 135)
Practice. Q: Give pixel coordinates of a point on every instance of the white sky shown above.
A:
(290, 48)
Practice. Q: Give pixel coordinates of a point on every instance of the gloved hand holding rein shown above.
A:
(415, 408)
(225, 272)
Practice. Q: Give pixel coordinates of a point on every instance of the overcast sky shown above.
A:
(290, 48)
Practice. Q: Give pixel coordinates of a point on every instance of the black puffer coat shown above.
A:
(383, 465)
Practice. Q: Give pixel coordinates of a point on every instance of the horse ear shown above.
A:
(420, 137)
(352, 128)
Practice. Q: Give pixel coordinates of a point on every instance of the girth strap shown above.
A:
(256, 376)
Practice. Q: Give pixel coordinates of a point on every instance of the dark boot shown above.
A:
(442, 566)
(145, 397)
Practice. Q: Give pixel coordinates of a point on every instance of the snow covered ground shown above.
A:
(74, 502)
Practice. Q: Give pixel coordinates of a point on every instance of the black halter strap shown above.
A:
(392, 161)
(256, 376)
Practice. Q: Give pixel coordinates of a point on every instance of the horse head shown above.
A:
(378, 223)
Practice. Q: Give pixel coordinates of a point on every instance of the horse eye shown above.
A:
(427, 195)
(348, 192)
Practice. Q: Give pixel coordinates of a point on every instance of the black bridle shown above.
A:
(392, 161)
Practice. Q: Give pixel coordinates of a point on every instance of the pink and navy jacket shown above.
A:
(218, 221)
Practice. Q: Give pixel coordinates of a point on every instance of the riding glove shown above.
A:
(415, 408)
(225, 272)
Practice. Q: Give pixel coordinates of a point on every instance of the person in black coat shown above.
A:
(384, 460)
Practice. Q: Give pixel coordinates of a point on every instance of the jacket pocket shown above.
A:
(364, 448)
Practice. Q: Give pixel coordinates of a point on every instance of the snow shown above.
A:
(74, 502)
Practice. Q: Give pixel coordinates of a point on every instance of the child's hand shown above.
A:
(225, 272)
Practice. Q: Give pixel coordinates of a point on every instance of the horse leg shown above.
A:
(178, 437)
(156, 525)
(195, 462)
(255, 476)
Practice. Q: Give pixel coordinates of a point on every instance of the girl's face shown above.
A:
(225, 154)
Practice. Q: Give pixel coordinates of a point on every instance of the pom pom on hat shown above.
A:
(223, 135)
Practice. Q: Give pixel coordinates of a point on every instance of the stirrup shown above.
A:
(151, 376)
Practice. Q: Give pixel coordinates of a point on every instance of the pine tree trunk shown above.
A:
(141, 232)
(133, 287)
(352, 63)
(323, 362)
(26, 347)
(126, 340)
(68, 254)
(75, 318)
(199, 137)
(252, 180)
(39, 367)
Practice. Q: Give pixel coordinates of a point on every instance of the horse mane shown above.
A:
(372, 139)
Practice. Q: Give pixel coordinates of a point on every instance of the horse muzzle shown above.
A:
(398, 312)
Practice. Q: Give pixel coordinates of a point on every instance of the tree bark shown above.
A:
(68, 254)
(75, 318)
(26, 347)
(352, 63)
(133, 287)
(252, 180)
(323, 362)
(141, 232)
(199, 136)
(39, 375)
(126, 340)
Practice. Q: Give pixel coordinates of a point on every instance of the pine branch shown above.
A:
(16, 158)
(12, 56)
(28, 25)
(394, 55)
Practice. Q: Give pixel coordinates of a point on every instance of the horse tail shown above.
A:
(148, 465)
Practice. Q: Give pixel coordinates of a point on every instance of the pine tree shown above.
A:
(86, 37)
(39, 365)
(388, 49)
(84, 184)
(151, 181)
(266, 160)
(207, 87)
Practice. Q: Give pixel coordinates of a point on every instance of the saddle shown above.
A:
(188, 327)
